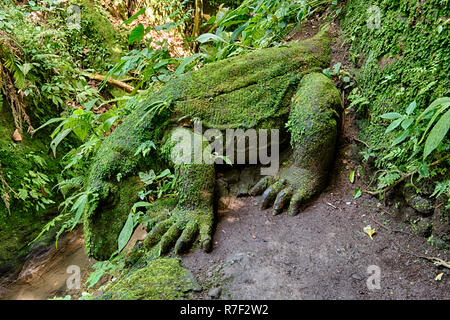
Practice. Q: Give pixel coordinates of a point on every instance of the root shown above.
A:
(8, 55)
(403, 178)
(5, 194)
(113, 82)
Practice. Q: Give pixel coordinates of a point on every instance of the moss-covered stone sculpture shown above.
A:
(276, 88)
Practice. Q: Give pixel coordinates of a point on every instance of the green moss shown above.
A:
(313, 122)
(162, 279)
(23, 222)
(243, 91)
(404, 60)
(97, 26)
(102, 227)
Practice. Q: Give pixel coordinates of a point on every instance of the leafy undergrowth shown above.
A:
(41, 62)
(403, 81)
(254, 24)
(401, 50)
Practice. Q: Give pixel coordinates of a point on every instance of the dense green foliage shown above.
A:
(40, 63)
(253, 24)
(403, 69)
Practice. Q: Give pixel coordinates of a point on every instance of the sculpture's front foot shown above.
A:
(291, 189)
(180, 228)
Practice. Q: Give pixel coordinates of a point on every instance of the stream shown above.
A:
(46, 276)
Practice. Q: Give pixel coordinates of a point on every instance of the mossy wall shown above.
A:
(21, 223)
(97, 34)
(405, 59)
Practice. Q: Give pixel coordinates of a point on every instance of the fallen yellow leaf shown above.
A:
(439, 276)
(368, 229)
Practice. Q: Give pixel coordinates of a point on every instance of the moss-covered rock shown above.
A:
(162, 279)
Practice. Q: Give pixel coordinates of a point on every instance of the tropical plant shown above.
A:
(253, 24)
(419, 146)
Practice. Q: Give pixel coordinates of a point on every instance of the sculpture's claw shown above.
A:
(290, 190)
(180, 231)
(271, 193)
(282, 200)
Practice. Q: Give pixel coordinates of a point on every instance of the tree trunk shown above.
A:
(197, 21)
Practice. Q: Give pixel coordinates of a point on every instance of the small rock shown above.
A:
(418, 202)
(423, 227)
(17, 137)
(409, 214)
(356, 277)
(215, 293)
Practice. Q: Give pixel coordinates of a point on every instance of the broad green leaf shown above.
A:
(25, 68)
(137, 34)
(437, 134)
(391, 115)
(444, 101)
(135, 16)
(163, 174)
(206, 37)
(139, 205)
(55, 142)
(411, 108)
(147, 177)
(78, 112)
(108, 123)
(352, 176)
(400, 138)
(49, 122)
(432, 120)
(423, 170)
(88, 105)
(337, 67)
(357, 194)
(187, 61)
(126, 233)
(407, 123)
(394, 125)
(237, 32)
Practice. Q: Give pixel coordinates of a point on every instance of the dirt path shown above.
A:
(322, 253)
